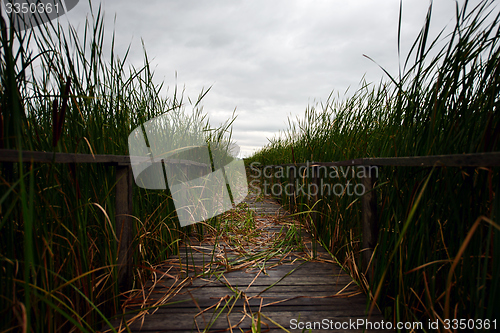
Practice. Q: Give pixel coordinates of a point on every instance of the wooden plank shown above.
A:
(265, 280)
(207, 257)
(271, 273)
(292, 288)
(219, 266)
(248, 330)
(314, 305)
(182, 303)
(306, 269)
(12, 155)
(186, 321)
(452, 160)
(324, 289)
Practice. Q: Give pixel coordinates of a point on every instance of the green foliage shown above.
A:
(445, 101)
(58, 248)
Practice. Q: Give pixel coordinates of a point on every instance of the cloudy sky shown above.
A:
(268, 59)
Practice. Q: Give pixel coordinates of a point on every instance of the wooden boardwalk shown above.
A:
(262, 280)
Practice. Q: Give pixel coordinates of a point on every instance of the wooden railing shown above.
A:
(123, 189)
(123, 200)
(370, 227)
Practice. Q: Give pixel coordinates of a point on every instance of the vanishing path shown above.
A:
(259, 270)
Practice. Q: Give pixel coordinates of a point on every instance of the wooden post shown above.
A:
(124, 228)
(292, 191)
(315, 181)
(280, 187)
(271, 183)
(262, 178)
(370, 223)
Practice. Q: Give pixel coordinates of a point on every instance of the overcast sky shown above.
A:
(269, 59)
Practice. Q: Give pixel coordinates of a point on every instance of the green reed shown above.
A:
(62, 91)
(440, 255)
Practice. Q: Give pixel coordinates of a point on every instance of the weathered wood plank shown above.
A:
(293, 288)
(292, 196)
(186, 321)
(11, 155)
(452, 160)
(303, 281)
(325, 289)
(271, 303)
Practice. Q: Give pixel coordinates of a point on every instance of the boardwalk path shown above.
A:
(251, 274)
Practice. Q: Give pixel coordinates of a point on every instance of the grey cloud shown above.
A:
(269, 59)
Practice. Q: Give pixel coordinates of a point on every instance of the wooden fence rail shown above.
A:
(370, 227)
(123, 199)
(124, 188)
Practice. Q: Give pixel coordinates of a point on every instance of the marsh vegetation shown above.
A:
(438, 251)
(63, 91)
(437, 254)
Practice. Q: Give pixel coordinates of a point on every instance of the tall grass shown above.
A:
(58, 251)
(446, 100)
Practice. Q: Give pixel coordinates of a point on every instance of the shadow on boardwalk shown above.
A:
(271, 277)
